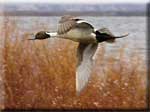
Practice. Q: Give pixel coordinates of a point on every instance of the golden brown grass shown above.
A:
(41, 75)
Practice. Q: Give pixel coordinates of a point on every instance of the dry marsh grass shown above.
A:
(41, 75)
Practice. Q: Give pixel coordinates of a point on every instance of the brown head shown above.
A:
(41, 35)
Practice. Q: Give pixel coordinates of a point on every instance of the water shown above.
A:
(136, 26)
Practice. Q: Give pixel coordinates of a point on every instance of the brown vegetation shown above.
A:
(41, 75)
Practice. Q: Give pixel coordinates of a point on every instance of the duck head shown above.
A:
(41, 35)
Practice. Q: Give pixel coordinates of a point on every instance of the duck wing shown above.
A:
(85, 53)
(106, 31)
(68, 22)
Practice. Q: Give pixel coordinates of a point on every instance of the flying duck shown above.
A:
(81, 31)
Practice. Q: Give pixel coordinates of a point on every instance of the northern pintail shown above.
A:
(81, 31)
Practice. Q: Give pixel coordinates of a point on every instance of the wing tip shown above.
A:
(78, 90)
(78, 86)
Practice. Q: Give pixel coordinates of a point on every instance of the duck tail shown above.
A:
(125, 35)
(112, 39)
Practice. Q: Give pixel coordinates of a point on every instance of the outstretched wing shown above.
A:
(68, 22)
(66, 26)
(106, 31)
(85, 52)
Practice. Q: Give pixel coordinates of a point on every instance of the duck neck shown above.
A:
(52, 34)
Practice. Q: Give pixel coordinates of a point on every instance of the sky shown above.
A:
(76, 1)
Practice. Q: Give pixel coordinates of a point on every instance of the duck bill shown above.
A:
(31, 39)
(38, 39)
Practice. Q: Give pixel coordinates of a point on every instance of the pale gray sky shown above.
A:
(78, 1)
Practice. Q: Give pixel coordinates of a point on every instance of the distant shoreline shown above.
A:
(32, 13)
(43, 9)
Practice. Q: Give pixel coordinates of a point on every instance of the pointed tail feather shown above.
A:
(125, 35)
(112, 39)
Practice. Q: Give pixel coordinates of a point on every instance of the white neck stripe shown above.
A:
(52, 34)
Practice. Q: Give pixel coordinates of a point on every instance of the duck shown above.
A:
(81, 31)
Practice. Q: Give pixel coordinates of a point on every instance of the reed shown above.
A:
(41, 75)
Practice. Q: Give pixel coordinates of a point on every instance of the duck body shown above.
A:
(77, 30)
(80, 35)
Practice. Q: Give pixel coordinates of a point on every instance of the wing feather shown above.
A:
(85, 52)
(67, 23)
(106, 31)
(66, 26)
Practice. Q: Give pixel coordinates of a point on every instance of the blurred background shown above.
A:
(41, 74)
(78, 7)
